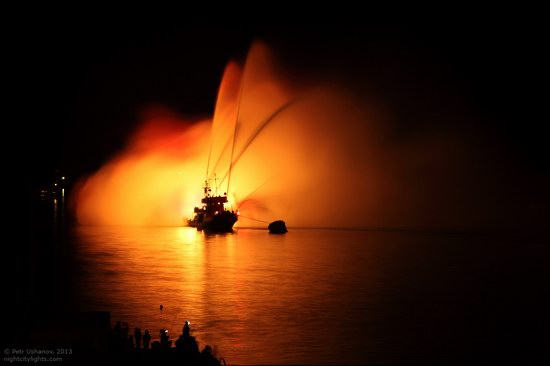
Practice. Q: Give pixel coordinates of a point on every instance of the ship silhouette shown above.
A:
(213, 215)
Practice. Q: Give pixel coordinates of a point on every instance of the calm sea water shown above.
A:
(320, 296)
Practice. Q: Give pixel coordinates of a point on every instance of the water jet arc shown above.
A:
(255, 134)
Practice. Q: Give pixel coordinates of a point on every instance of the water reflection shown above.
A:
(241, 291)
(316, 296)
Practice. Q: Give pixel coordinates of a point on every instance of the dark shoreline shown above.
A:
(89, 337)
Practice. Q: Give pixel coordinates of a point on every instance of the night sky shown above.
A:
(86, 82)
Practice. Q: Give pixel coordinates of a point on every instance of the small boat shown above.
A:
(277, 227)
(212, 215)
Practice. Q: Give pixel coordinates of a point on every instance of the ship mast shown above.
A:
(206, 188)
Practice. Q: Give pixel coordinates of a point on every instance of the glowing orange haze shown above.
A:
(324, 161)
(283, 173)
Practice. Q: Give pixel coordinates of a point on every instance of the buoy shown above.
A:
(277, 227)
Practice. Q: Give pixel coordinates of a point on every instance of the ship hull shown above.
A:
(220, 223)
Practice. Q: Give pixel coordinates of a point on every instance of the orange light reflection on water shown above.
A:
(178, 267)
(239, 291)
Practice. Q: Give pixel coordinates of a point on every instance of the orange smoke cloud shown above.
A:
(157, 179)
(315, 158)
(152, 181)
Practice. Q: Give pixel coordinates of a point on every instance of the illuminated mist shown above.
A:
(314, 157)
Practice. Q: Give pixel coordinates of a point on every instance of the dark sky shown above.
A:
(85, 82)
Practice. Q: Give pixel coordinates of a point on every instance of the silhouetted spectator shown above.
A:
(155, 345)
(192, 345)
(186, 329)
(128, 347)
(117, 342)
(137, 336)
(208, 357)
(180, 343)
(164, 342)
(124, 331)
(161, 307)
(146, 339)
(187, 345)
